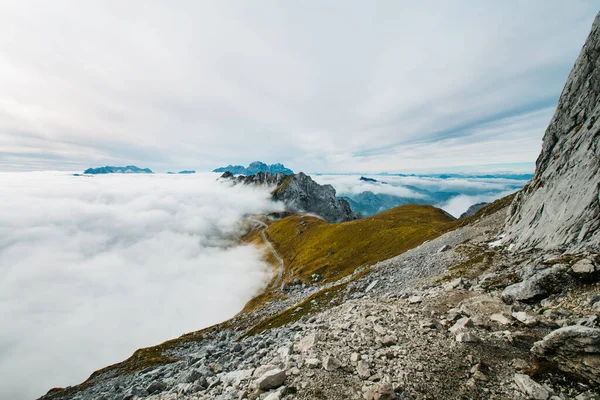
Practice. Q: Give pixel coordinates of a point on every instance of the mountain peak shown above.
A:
(254, 168)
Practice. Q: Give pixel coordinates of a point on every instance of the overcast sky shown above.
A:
(371, 86)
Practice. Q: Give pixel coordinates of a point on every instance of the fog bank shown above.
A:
(93, 268)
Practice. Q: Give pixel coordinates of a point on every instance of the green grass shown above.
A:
(317, 302)
(309, 245)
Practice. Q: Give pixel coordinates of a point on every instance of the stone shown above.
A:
(191, 376)
(307, 343)
(276, 395)
(531, 388)
(461, 324)
(479, 308)
(574, 349)
(414, 299)
(371, 286)
(380, 391)
(586, 270)
(387, 340)
(312, 362)
(525, 318)
(271, 379)
(363, 369)
(500, 318)
(330, 363)
(467, 337)
(156, 387)
(539, 285)
(444, 248)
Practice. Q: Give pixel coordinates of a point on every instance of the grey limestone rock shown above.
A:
(560, 207)
(575, 349)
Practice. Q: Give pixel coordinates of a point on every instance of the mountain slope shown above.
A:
(560, 207)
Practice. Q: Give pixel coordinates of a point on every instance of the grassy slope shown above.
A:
(309, 245)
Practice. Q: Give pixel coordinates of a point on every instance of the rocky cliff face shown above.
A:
(560, 207)
(300, 193)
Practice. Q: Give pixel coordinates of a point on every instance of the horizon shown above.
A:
(466, 85)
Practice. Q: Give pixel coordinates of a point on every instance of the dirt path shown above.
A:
(270, 246)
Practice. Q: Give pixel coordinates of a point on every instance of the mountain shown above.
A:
(409, 303)
(184, 172)
(472, 210)
(300, 192)
(130, 169)
(560, 207)
(255, 168)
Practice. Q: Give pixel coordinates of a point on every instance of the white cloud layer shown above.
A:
(364, 86)
(93, 268)
(465, 191)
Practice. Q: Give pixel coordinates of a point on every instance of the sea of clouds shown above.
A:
(468, 190)
(93, 268)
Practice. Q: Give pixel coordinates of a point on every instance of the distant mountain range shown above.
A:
(255, 168)
(130, 169)
(184, 172)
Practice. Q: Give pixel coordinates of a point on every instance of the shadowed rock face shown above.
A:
(300, 193)
(560, 207)
(472, 210)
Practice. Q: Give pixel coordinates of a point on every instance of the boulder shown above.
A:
(586, 270)
(525, 318)
(307, 343)
(479, 308)
(380, 391)
(539, 285)
(156, 387)
(531, 388)
(574, 349)
(466, 337)
(271, 379)
(461, 324)
(330, 363)
(312, 362)
(363, 369)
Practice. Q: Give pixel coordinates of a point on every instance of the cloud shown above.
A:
(459, 204)
(372, 86)
(346, 185)
(95, 268)
(464, 191)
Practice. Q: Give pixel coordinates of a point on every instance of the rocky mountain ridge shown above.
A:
(299, 192)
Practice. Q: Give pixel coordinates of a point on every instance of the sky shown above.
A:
(94, 268)
(394, 86)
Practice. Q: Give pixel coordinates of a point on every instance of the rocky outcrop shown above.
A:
(575, 349)
(560, 207)
(261, 178)
(300, 193)
(472, 210)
